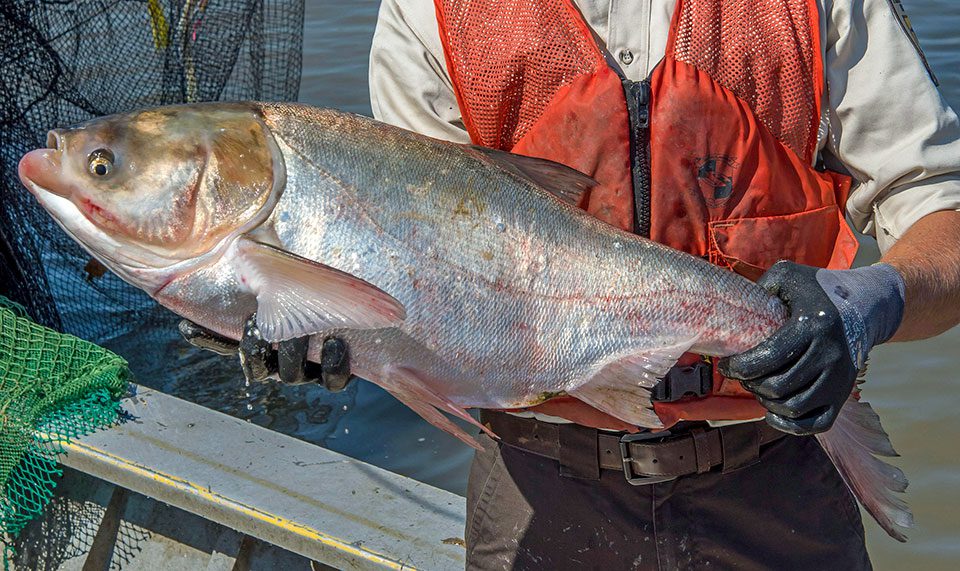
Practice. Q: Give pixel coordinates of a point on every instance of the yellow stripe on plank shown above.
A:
(197, 490)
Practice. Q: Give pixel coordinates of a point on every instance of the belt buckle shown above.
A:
(632, 478)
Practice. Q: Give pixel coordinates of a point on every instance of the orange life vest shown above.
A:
(713, 154)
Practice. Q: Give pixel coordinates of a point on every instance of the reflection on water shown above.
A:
(913, 385)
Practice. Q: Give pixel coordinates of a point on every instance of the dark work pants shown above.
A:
(789, 511)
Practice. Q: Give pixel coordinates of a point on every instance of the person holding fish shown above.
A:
(733, 131)
(561, 228)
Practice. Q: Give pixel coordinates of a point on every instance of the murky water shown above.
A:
(914, 386)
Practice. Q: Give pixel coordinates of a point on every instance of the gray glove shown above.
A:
(259, 360)
(806, 370)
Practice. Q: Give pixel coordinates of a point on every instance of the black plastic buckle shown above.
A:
(632, 478)
(696, 380)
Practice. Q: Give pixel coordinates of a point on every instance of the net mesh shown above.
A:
(66, 61)
(763, 52)
(54, 388)
(505, 81)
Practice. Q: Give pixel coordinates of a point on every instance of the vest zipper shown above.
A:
(638, 108)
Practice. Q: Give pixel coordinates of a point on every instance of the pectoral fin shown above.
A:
(297, 296)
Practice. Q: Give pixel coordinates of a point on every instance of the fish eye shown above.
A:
(100, 162)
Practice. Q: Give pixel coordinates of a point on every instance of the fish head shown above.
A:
(150, 191)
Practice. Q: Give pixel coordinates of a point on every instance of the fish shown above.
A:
(459, 276)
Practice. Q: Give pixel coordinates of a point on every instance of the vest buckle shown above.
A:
(696, 380)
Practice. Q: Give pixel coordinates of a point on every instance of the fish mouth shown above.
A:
(40, 171)
(41, 168)
(66, 214)
(131, 264)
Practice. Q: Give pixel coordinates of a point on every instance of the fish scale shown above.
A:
(560, 295)
(458, 276)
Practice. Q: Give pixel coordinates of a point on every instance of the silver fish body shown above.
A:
(459, 277)
(510, 294)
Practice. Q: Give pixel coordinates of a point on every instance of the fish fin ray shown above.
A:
(853, 444)
(567, 184)
(622, 387)
(297, 296)
(407, 386)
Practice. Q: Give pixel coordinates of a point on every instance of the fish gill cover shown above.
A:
(66, 61)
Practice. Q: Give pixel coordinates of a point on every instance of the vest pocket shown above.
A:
(749, 246)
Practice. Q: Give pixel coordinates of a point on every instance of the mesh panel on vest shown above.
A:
(764, 51)
(505, 81)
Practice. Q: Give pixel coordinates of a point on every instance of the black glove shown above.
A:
(805, 371)
(259, 360)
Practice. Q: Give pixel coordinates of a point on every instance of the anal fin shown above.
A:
(621, 387)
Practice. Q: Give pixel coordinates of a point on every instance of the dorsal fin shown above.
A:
(569, 185)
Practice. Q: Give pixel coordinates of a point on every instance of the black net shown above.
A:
(63, 62)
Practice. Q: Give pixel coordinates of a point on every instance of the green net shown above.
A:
(53, 388)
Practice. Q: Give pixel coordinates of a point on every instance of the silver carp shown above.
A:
(459, 276)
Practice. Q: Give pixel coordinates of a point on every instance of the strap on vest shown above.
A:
(695, 379)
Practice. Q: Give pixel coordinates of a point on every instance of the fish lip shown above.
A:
(41, 161)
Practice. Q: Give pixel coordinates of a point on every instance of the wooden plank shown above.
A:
(315, 502)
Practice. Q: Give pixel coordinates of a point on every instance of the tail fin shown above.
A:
(853, 443)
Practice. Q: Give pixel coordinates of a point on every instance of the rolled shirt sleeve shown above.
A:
(886, 122)
(409, 85)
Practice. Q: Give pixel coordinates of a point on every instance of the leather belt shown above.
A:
(645, 457)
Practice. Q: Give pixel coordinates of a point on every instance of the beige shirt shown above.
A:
(884, 120)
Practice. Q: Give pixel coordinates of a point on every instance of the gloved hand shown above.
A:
(806, 370)
(259, 360)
